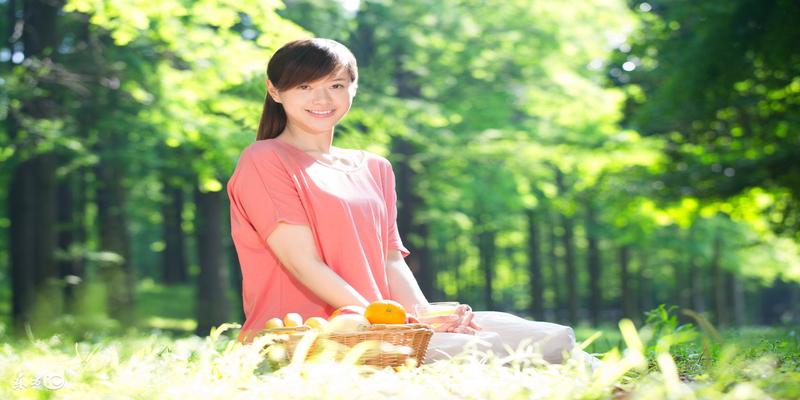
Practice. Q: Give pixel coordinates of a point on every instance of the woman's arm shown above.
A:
(402, 284)
(405, 290)
(294, 246)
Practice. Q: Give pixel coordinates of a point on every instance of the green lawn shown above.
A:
(660, 360)
(755, 363)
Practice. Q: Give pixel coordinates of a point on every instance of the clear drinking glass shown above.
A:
(437, 313)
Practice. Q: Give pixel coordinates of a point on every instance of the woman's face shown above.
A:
(316, 107)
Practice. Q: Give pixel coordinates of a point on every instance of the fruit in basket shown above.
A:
(291, 320)
(348, 323)
(347, 310)
(385, 312)
(410, 319)
(274, 323)
(317, 323)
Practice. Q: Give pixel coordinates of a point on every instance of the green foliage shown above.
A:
(662, 332)
(497, 100)
(718, 80)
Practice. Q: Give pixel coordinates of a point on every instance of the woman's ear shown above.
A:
(273, 92)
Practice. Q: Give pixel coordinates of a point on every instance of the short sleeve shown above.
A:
(262, 194)
(395, 242)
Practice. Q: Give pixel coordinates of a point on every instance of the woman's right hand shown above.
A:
(459, 322)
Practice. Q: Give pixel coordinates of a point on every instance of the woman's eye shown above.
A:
(303, 87)
(338, 86)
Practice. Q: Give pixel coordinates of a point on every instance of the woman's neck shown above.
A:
(308, 142)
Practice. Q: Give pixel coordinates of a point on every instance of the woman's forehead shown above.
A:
(340, 75)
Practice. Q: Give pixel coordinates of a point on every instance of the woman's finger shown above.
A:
(463, 309)
(467, 319)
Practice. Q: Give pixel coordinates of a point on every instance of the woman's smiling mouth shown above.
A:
(321, 113)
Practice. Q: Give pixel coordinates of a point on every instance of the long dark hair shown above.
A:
(299, 62)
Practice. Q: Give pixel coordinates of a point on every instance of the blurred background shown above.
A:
(575, 162)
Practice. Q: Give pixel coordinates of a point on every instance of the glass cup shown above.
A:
(437, 314)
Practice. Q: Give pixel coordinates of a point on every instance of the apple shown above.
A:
(317, 323)
(348, 323)
(410, 319)
(292, 320)
(358, 310)
(274, 323)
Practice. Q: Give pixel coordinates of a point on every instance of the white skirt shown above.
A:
(500, 330)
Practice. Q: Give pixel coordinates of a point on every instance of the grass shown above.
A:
(610, 337)
(661, 359)
(756, 363)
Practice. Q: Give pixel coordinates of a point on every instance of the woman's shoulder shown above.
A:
(373, 158)
(262, 147)
(263, 152)
(375, 162)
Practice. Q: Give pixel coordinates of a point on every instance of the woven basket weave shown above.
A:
(412, 340)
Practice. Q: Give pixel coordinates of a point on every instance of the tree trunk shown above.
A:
(427, 277)
(684, 288)
(440, 260)
(71, 236)
(593, 264)
(627, 303)
(555, 276)
(174, 264)
(233, 257)
(571, 270)
(698, 286)
(236, 277)
(536, 307)
(73, 190)
(569, 255)
(212, 282)
(32, 189)
(738, 301)
(113, 235)
(487, 248)
(676, 293)
(775, 302)
(73, 194)
(458, 259)
(646, 296)
(21, 212)
(720, 283)
(794, 304)
(408, 204)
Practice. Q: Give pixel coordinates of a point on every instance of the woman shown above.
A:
(314, 225)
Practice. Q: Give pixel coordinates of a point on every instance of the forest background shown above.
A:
(576, 162)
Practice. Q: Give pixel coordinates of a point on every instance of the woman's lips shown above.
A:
(321, 113)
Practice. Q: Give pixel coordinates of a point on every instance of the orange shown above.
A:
(385, 312)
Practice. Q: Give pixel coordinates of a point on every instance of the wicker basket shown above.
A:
(413, 338)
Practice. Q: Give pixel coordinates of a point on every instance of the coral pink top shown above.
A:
(351, 212)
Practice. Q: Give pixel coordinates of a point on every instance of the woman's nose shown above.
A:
(321, 95)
